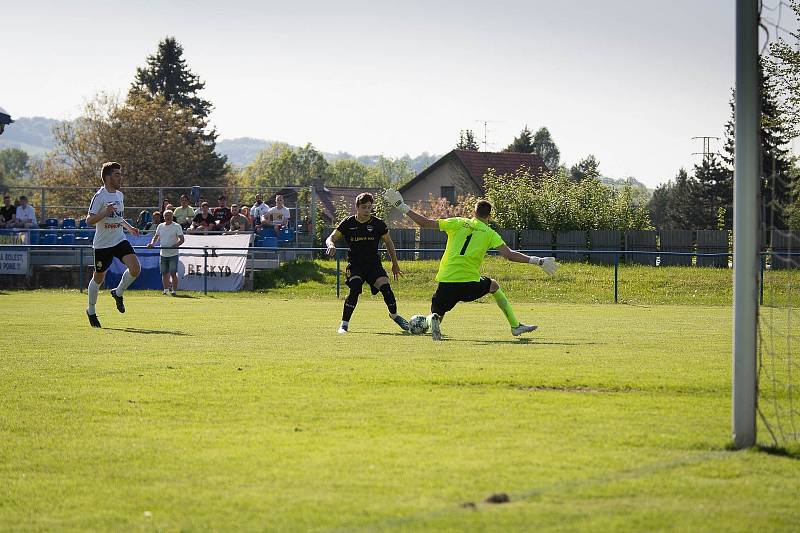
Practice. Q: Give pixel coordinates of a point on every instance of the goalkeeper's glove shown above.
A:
(548, 264)
(395, 199)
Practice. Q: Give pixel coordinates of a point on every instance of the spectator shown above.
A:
(278, 216)
(141, 222)
(153, 224)
(170, 234)
(222, 213)
(7, 212)
(258, 210)
(238, 222)
(185, 213)
(203, 220)
(25, 216)
(246, 213)
(166, 204)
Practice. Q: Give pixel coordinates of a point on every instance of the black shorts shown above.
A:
(369, 272)
(103, 257)
(447, 295)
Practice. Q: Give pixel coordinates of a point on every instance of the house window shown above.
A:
(449, 192)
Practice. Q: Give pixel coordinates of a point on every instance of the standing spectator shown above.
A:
(185, 213)
(258, 210)
(153, 224)
(203, 220)
(170, 234)
(105, 214)
(7, 212)
(238, 222)
(278, 216)
(25, 215)
(246, 214)
(222, 213)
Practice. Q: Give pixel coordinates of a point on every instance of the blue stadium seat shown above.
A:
(34, 237)
(68, 223)
(88, 233)
(68, 238)
(51, 223)
(50, 239)
(82, 224)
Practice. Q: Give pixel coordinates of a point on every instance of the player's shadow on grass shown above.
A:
(150, 331)
(524, 340)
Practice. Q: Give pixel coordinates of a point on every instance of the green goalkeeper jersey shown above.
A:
(468, 239)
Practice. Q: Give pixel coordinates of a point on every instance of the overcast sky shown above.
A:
(629, 81)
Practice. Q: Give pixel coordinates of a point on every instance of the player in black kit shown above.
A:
(363, 233)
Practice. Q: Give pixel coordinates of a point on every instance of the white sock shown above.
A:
(345, 323)
(93, 290)
(125, 282)
(392, 315)
(165, 291)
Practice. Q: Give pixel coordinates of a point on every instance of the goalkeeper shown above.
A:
(459, 276)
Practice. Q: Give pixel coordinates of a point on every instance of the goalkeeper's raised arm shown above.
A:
(395, 199)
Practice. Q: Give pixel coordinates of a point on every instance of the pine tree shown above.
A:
(167, 75)
(466, 141)
(523, 143)
(168, 80)
(711, 192)
(778, 176)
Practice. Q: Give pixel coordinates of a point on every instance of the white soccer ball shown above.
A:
(419, 324)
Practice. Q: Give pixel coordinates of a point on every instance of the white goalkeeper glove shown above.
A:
(548, 264)
(395, 199)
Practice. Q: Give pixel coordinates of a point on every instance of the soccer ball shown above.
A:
(419, 324)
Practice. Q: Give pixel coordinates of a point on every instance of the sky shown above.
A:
(630, 81)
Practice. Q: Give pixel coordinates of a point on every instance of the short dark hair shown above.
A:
(108, 169)
(221, 197)
(364, 197)
(23, 197)
(483, 208)
(184, 195)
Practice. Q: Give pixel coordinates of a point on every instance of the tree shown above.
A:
(280, 165)
(523, 143)
(466, 141)
(586, 168)
(780, 186)
(155, 141)
(545, 147)
(14, 162)
(711, 194)
(351, 173)
(167, 75)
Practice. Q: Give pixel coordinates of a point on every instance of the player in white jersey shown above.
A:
(106, 215)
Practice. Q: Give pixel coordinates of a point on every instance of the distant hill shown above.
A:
(32, 134)
(243, 151)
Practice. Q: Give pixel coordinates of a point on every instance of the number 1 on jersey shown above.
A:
(466, 243)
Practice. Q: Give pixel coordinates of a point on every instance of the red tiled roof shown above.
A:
(477, 163)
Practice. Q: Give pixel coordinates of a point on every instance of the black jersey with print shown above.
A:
(363, 238)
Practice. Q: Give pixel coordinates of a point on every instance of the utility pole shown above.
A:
(706, 153)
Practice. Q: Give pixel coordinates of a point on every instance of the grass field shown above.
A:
(248, 412)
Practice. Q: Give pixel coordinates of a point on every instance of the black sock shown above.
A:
(349, 306)
(388, 297)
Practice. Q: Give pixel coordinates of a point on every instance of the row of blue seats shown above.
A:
(67, 223)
